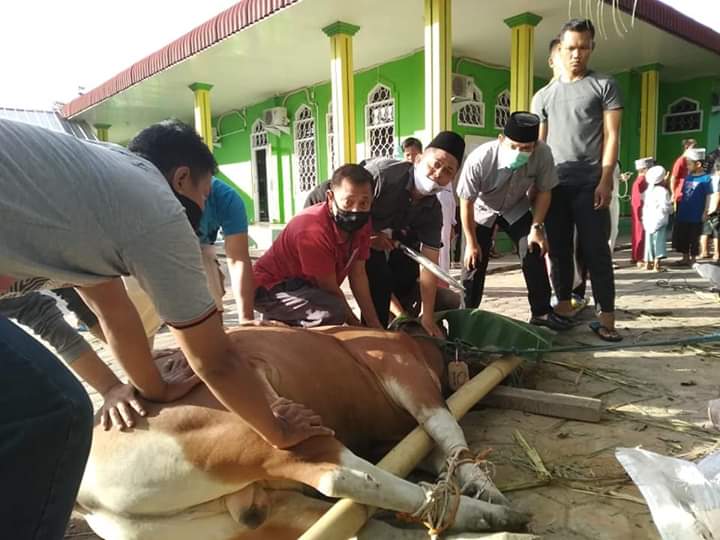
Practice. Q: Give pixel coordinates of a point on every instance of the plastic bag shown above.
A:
(684, 497)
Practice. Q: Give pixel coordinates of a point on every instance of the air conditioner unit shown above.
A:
(462, 88)
(276, 120)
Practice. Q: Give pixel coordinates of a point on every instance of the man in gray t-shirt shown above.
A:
(82, 214)
(581, 112)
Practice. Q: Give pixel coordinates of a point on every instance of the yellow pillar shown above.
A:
(649, 98)
(102, 132)
(521, 59)
(438, 65)
(343, 89)
(203, 117)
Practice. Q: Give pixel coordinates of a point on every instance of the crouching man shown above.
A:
(298, 279)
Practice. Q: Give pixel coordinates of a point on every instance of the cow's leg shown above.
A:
(415, 390)
(292, 513)
(336, 472)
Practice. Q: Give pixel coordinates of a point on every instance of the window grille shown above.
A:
(305, 153)
(258, 137)
(502, 109)
(332, 159)
(380, 123)
(472, 113)
(684, 115)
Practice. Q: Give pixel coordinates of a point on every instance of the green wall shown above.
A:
(405, 78)
(669, 146)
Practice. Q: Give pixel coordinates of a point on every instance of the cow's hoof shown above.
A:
(507, 519)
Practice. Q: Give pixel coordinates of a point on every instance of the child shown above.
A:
(657, 206)
(692, 208)
(636, 203)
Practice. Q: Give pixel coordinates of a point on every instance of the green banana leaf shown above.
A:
(492, 332)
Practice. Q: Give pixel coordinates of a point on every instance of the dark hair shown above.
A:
(355, 174)
(412, 142)
(578, 25)
(554, 42)
(170, 144)
(687, 143)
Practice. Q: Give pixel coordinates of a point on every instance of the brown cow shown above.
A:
(194, 471)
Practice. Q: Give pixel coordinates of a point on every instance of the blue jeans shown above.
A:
(46, 422)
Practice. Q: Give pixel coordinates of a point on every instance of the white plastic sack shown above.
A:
(684, 497)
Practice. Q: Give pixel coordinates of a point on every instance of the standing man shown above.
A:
(224, 209)
(299, 277)
(493, 189)
(83, 214)
(581, 112)
(680, 171)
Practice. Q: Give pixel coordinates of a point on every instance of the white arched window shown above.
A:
(380, 123)
(472, 113)
(502, 109)
(332, 159)
(683, 116)
(305, 154)
(258, 137)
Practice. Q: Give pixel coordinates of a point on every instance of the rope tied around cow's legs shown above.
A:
(442, 499)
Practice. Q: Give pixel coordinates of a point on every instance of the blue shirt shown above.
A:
(223, 209)
(695, 190)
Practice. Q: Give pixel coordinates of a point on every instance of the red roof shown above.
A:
(672, 21)
(234, 19)
(247, 12)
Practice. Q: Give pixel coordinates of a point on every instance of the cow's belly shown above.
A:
(190, 525)
(146, 473)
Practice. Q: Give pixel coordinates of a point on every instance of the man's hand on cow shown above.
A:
(603, 194)
(382, 242)
(429, 325)
(119, 407)
(298, 422)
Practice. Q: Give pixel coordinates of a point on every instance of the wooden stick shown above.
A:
(567, 406)
(347, 517)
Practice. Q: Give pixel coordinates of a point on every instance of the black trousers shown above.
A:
(533, 266)
(391, 274)
(572, 207)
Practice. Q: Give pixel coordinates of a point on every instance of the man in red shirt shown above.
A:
(680, 171)
(298, 279)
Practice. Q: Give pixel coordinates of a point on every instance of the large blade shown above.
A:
(431, 267)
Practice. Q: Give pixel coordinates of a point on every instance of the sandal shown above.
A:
(605, 333)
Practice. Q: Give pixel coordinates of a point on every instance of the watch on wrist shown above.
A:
(538, 226)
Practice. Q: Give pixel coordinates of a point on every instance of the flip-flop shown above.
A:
(608, 335)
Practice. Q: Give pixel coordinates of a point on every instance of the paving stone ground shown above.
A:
(589, 496)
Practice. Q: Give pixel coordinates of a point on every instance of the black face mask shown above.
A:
(350, 221)
(192, 209)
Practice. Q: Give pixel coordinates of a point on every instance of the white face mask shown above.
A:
(509, 158)
(425, 185)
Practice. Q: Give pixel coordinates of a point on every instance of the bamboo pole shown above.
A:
(347, 517)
